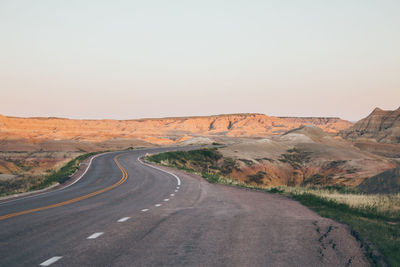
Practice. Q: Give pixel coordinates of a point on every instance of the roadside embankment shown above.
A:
(374, 219)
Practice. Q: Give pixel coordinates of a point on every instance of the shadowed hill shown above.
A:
(387, 182)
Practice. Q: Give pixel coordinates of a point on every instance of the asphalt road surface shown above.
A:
(125, 213)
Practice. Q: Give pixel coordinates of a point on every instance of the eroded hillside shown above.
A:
(158, 131)
(303, 156)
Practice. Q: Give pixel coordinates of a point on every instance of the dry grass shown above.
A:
(379, 202)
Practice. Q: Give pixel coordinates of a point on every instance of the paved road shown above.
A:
(140, 216)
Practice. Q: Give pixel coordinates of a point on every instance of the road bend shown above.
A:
(124, 212)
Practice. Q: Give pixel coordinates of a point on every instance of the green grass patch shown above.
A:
(199, 160)
(201, 155)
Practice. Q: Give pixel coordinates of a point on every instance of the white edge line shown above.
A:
(80, 177)
(50, 261)
(95, 235)
(177, 178)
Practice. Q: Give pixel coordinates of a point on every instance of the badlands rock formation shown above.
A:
(304, 156)
(158, 131)
(381, 125)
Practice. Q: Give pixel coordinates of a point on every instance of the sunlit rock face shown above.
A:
(159, 131)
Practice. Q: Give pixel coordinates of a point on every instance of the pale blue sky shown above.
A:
(134, 59)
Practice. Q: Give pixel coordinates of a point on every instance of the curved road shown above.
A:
(125, 213)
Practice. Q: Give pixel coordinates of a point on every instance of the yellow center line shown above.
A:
(121, 181)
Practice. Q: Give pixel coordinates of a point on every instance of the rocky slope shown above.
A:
(381, 125)
(159, 131)
(303, 156)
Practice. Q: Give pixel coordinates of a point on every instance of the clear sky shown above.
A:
(133, 59)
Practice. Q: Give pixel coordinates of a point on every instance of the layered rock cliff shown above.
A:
(381, 125)
(165, 130)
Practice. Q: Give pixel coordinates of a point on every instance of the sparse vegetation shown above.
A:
(25, 183)
(14, 185)
(217, 144)
(199, 160)
(248, 162)
(257, 178)
(208, 163)
(316, 179)
(267, 159)
(296, 158)
(63, 174)
(335, 164)
(352, 170)
(228, 165)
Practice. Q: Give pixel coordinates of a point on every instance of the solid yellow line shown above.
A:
(121, 181)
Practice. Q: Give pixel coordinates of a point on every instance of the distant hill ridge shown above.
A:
(381, 125)
(183, 117)
(173, 129)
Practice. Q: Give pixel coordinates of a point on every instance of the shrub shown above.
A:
(257, 178)
(248, 162)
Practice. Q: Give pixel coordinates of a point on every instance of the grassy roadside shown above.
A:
(29, 183)
(59, 176)
(64, 173)
(374, 219)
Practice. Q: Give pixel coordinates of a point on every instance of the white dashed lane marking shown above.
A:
(124, 219)
(50, 261)
(157, 205)
(95, 235)
(172, 195)
(176, 191)
(144, 210)
(167, 199)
